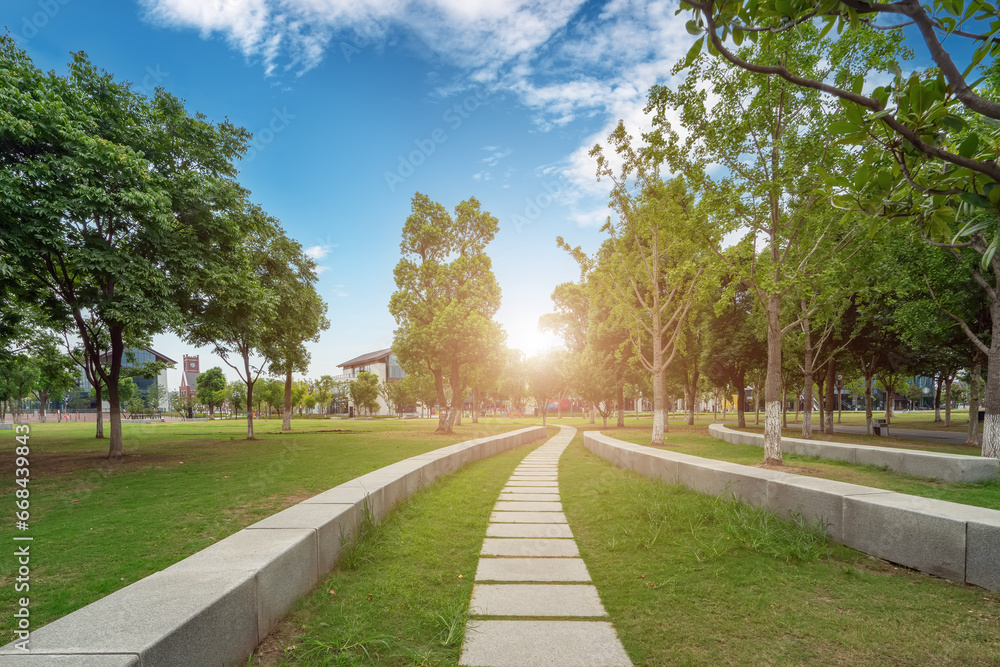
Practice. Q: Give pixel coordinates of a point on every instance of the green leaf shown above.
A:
(990, 251)
(694, 52)
(954, 123)
(969, 146)
(692, 27)
(737, 36)
(843, 127)
(976, 200)
(783, 7)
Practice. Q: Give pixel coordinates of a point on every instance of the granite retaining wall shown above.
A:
(216, 606)
(933, 465)
(951, 540)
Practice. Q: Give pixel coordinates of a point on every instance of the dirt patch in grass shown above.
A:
(784, 467)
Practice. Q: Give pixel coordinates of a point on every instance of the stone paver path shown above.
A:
(530, 567)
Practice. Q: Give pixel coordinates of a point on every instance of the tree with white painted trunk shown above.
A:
(773, 139)
(651, 263)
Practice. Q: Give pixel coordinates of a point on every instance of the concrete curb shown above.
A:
(951, 540)
(216, 606)
(933, 465)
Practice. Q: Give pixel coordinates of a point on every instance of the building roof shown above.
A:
(159, 357)
(367, 358)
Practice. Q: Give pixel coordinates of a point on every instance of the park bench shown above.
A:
(878, 425)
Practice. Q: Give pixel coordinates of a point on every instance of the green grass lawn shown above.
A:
(693, 580)
(99, 526)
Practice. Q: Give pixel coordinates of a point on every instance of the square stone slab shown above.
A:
(532, 569)
(550, 530)
(547, 483)
(551, 490)
(528, 517)
(533, 478)
(535, 600)
(549, 643)
(519, 506)
(529, 496)
(535, 548)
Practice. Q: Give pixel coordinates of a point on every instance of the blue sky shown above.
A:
(357, 105)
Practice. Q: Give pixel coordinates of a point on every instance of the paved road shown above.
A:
(949, 437)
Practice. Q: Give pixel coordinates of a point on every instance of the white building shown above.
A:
(381, 363)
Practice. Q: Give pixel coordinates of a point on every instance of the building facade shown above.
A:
(381, 363)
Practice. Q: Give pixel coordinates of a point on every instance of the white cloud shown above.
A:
(479, 34)
(320, 270)
(562, 61)
(317, 252)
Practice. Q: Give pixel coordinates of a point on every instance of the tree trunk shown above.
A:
(869, 403)
(475, 406)
(831, 379)
(249, 409)
(820, 398)
(592, 413)
(947, 400)
(286, 414)
(772, 384)
(115, 449)
(559, 406)
(621, 406)
(444, 410)
(977, 370)
(659, 409)
(937, 397)
(99, 393)
(741, 399)
(991, 424)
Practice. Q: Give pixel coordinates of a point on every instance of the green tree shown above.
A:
(211, 387)
(19, 374)
(732, 348)
(57, 376)
(650, 265)
(544, 381)
(773, 139)
(235, 310)
(299, 317)
(396, 396)
(324, 392)
(930, 139)
(115, 199)
(309, 401)
(272, 395)
(237, 391)
(446, 298)
(364, 391)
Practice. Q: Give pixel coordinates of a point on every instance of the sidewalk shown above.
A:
(530, 567)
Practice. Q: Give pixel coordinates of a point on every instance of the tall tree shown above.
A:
(234, 308)
(544, 381)
(774, 141)
(446, 298)
(116, 199)
(211, 389)
(299, 317)
(57, 375)
(364, 392)
(930, 139)
(651, 263)
(732, 345)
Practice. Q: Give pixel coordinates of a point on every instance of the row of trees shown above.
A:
(852, 230)
(121, 217)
